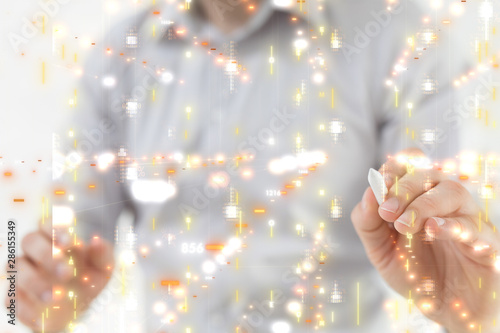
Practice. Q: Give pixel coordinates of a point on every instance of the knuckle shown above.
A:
(404, 187)
(22, 263)
(471, 227)
(429, 181)
(39, 287)
(28, 240)
(451, 185)
(388, 167)
(37, 246)
(34, 285)
(437, 175)
(26, 278)
(456, 188)
(426, 203)
(393, 169)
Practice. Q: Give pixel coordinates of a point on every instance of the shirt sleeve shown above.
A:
(87, 171)
(422, 102)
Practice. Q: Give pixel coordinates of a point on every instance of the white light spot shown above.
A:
(132, 107)
(104, 160)
(159, 308)
(132, 173)
(231, 212)
(62, 216)
(281, 327)
(283, 3)
(337, 127)
(231, 66)
(235, 243)
(457, 9)
(307, 266)
(127, 257)
(131, 40)
(155, 191)
(301, 44)
(109, 81)
(302, 160)
(208, 267)
(178, 157)
(294, 307)
(167, 77)
(486, 10)
(221, 259)
(428, 86)
(318, 78)
(436, 4)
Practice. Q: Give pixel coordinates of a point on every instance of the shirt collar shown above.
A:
(181, 22)
(303, 10)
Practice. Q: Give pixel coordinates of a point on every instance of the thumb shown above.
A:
(374, 232)
(100, 254)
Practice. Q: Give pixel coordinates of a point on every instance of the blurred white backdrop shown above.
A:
(33, 103)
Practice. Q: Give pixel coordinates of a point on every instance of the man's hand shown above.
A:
(46, 278)
(429, 240)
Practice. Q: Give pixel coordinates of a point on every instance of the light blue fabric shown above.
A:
(251, 122)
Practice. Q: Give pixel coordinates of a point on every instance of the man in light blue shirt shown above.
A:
(240, 135)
